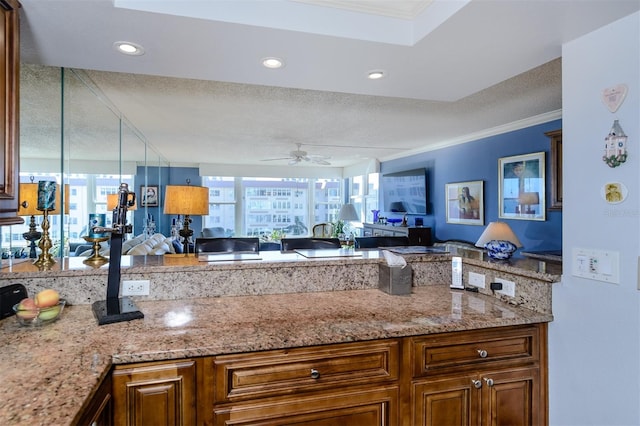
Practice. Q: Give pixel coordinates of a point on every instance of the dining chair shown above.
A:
(322, 230)
(290, 244)
(227, 245)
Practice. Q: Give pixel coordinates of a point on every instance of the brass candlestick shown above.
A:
(96, 259)
(45, 259)
(32, 236)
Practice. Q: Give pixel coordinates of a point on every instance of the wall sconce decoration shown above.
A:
(615, 147)
(499, 240)
(614, 96)
(186, 200)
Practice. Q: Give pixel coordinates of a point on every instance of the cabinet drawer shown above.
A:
(511, 345)
(283, 372)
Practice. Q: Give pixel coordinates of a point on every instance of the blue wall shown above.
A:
(478, 160)
(164, 176)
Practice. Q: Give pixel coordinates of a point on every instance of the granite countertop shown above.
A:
(49, 373)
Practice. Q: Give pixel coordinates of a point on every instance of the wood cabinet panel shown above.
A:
(433, 354)
(366, 407)
(9, 111)
(155, 394)
(99, 412)
(298, 370)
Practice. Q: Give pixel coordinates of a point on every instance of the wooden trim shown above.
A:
(555, 154)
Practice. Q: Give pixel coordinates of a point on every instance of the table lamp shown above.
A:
(186, 200)
(112, 203)
(348, 213)
(29, 207)
(526, 200)
(499, 240)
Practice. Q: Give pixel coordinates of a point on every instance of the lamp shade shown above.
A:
(112, 202)
(529, 198)
(498, 231)
(348, 212)
(186, 200)
(29, 201)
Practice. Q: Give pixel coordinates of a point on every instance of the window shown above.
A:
(290, 206)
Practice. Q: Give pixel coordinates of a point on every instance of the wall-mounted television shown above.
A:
(405, 192)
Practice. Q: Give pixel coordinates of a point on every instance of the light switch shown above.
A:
(596, 265)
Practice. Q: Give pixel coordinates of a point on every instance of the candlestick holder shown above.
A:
(96, 258)
(45, 259)
(32, 236)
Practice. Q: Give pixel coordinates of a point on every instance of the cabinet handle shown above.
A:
(482, 353)
(476, 383)
(315, 374)
(489, 382)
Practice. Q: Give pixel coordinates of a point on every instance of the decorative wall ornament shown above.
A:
(615, 147)
(614, 192)
(614, 96)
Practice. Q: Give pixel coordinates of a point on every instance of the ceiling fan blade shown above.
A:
(321, 161)
(277, 159)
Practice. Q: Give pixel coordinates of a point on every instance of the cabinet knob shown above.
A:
(476, 383)
(489, 382)
(315, 374)
(482, 353)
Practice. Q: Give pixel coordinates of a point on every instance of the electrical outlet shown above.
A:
(508, 287)
(135, 288)
(476, 280)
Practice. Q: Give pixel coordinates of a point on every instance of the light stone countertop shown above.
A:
(49, 373)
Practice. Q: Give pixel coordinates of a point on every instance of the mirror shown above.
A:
(71, 133)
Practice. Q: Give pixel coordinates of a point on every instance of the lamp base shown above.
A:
(500, 249)
(115, 310)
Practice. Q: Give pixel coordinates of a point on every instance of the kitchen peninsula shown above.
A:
(202, 313)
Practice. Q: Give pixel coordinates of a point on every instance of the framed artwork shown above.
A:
(465, 202)
(521, 190)
(149, 196)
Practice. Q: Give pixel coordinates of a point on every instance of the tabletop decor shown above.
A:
(521, 190)
(499, 240)
(46, 204)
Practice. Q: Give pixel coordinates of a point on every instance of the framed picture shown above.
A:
(521, 193)
(149, 196)
(465, 202)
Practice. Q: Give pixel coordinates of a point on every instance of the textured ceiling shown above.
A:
(199, 94)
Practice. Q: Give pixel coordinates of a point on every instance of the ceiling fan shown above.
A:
(298, 156)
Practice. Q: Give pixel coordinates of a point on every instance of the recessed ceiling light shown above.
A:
(128, 48)
(273, 63)
(375, 74)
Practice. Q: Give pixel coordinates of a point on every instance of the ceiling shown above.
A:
(454, 71)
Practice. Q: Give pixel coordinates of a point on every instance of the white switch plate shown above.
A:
(596, 265)
(476, 280)
(135, 288)
(508, 287)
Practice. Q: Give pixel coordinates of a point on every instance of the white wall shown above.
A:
(594, 340)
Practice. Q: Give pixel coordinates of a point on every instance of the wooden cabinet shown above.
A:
(158, 393)
(99, 412)
(491, 377)
(375, 230)
(495, 376)
(9, 101)
(351, 384)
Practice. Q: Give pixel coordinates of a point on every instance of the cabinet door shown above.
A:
(99, 411)
(511, 397)
(375, 407)
(155, 394)
(452, 402)
(9, 95)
